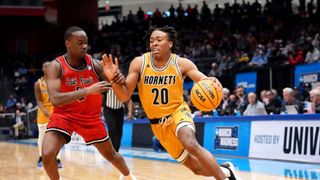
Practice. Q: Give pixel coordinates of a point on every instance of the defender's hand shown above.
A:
(98, 87)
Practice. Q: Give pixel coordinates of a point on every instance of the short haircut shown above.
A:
(225, 90)
(172, 35)
(288, 90)
(71, 30)
(315, 92)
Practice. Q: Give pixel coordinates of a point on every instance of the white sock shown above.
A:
(226, 171)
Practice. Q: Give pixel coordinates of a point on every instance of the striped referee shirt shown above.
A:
(112, 100)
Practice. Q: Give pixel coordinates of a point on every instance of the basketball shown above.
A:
(206, 96)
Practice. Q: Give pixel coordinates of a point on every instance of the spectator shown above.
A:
(263, 96)
(315, 100)
(231, 106)
(272, 103)
(255, 107)
(213, 71)
(313, 54)
(290, 105)
(242, 102)
(296, 57)
(316, 41)
(225, 100)
(19, 123)
(140, 14)
(11, 103)
(172, 11)
(2, 109)
(260, 58)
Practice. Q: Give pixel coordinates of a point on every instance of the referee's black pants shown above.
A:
(114, 119)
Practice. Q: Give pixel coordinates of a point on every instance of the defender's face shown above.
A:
(77, 44)
(160, 43)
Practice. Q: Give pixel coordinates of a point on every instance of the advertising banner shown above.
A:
(286, 140)
(247, 80)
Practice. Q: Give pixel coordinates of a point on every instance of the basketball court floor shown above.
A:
(18, 161)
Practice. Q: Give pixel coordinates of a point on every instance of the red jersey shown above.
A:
(86, 108)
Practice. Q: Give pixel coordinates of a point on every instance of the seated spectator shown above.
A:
(231, 106)
(272, 104)
(213, 71)
(313, 54)
(260, 58)
(290, 105)
(315, 100)
(263, 96)
(2, 108)
(296, 57)
(242, 102)
(255, 107)
(18, 123)
(225, 100)
(11, 103)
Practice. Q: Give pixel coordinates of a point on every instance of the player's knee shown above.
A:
(191, 145)
(48, 155)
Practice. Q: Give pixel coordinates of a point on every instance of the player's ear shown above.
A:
(170, 44)
(67, 43)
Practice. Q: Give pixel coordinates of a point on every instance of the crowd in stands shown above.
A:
(237, 37)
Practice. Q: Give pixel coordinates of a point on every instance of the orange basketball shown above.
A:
(206, 96)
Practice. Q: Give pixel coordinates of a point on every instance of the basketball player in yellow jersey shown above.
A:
(159, 75)
(45, 108)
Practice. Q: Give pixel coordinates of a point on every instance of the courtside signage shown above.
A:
(286, 140)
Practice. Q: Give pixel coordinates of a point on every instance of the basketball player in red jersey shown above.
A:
(75, 92)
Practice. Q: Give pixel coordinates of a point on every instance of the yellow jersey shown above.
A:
(160, 90)
(42, 119)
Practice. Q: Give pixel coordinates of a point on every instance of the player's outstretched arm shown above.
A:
(54, 84)
(122, 90)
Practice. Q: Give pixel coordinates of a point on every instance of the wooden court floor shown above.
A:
(18, 162)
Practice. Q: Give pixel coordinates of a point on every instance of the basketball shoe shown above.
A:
(230, 167)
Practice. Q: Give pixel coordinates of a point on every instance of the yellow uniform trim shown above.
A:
(41, 118)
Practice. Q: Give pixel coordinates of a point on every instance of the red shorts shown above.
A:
(92, 131)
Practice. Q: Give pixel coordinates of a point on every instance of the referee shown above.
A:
(114, 116)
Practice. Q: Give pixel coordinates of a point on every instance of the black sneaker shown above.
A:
(59, 163)
(39, 163)
(230, 167)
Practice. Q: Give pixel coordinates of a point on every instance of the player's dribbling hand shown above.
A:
(99, 87)
(215, 82)
(110, 69)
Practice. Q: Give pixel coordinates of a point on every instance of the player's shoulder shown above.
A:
(183, 61)
(137, 62)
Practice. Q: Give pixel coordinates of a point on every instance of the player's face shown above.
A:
(45, 67)
(77, 44)
(160, 43)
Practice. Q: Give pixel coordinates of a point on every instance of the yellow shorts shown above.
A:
(166, 131)
(41, 118)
